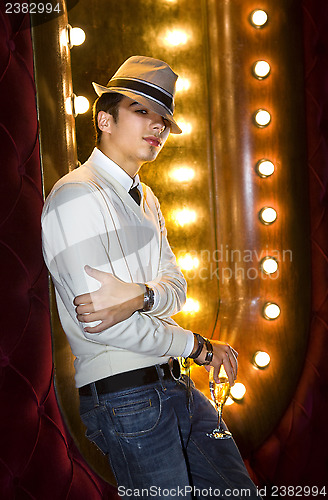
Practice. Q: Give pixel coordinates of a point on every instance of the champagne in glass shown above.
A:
(219, 393)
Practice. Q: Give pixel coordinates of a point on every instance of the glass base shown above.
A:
(219, 434)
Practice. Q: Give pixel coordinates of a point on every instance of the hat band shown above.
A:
(144, 89)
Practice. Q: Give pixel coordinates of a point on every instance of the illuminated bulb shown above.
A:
(191, 306)
(262, 118)
(267, 215)
(238, 391)
(80, 104)
(264, 168)
(182, 84)
(182, 174)
(187, 262)
(261, 69)
(271, 311)
(261, 359)
(76, 36)
(184, 216)
(258, 18)
(185, 127)
(269, 265)
(176, 37)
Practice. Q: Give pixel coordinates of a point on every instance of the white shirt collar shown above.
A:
(114, 170)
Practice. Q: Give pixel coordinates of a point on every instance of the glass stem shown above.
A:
(219, 410)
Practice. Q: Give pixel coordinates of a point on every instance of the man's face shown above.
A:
(137, 136)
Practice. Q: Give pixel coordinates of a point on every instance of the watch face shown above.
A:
(148, 299)
(151, 298)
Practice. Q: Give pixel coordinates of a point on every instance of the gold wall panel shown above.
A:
(240, 194)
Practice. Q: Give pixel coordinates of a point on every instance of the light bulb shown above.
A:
(191, 306)
(269, 265)
(182, 84)
(186, 127)
(176, 37)
(271, 311)
(258, 18)
(238, 391)
(184, 216)
(187, 262)
(267, 215)
(182, 174)
(264, 168)
(261, 359)
(76, 36)
(262, 118)
(80, 104)
(261, 69)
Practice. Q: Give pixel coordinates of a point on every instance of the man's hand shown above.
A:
(114, 302)
(222, 354)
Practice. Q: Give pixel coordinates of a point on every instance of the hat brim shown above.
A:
(145, 101)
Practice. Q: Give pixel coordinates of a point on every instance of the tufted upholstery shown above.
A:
(296, 453)
(38, 459)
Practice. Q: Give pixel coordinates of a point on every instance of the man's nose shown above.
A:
(158, 123)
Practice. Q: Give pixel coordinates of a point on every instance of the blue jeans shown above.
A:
(157, 445)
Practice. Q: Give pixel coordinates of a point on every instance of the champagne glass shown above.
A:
(219, 393)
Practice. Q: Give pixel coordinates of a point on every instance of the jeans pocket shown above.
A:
(99, 440)
(94, 433)
(136, 413)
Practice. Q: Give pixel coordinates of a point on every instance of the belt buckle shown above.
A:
(175, 368)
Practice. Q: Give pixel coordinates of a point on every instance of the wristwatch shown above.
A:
(148, 299)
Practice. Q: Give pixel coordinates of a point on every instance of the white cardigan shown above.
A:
(89, 218)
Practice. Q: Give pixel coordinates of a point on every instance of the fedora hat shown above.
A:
(149, 81)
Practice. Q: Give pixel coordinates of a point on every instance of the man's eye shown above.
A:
(143, 111)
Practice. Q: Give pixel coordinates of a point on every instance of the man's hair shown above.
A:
(108, 102)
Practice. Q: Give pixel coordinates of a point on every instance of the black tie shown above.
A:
(135, 193)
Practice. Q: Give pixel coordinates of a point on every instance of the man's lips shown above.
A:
(153, 141)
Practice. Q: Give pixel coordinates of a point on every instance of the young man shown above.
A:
(105, 245)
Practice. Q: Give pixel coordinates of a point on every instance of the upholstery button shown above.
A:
(21, 169)
(41, 410)
(11, 45)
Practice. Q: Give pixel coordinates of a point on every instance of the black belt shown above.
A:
(133, 378)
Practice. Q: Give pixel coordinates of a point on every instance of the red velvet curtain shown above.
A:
(38, 459)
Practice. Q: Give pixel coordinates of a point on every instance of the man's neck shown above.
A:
(131, 169)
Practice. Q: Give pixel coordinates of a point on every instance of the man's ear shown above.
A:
(104, 121)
